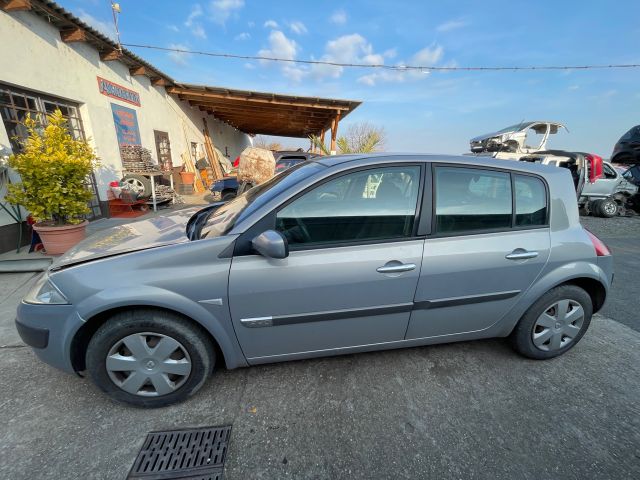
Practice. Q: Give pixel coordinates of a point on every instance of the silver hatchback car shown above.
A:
(336, 255)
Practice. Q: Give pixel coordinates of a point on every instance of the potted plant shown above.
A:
(53, 168)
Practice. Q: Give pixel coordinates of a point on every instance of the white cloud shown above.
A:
(173, 28)
(249, 66)
(195, 27)
(196, 11)
(339, 17)
(428, 56)
(390, 53)
(271, 24)
(251, 24)
(181, 58)
(198, 31)
(451, 25)
(222, 10)
(286, 48)
(298, 27)
(242, 36)
(353, 48)
(574, 87)
(106, 28)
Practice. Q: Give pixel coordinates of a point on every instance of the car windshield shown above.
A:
(222, 220)
(515, 128)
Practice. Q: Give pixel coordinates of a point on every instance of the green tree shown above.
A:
(359, 138)
(53, 169)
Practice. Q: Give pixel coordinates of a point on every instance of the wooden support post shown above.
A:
(111, 55)
(322, 141)
(208, 145)
(138, 71)
(17, 5)
(69, 35)
(334, 132)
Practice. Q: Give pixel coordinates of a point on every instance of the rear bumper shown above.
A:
(49, 330)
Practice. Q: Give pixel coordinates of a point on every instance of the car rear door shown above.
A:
(351, 273)
(480, 257)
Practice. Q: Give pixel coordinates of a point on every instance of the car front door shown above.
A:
(351, 273)
(481, 257)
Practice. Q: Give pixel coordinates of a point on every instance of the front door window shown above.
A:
(375, 204)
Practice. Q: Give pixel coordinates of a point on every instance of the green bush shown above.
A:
(53, 168)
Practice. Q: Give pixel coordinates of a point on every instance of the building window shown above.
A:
(16, 104)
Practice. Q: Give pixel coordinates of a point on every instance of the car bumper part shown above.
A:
(49, 330)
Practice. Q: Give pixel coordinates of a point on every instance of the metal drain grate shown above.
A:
(189, 454)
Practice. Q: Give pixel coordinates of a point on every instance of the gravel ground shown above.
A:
(613, 227)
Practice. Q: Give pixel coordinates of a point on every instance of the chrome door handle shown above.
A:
(521, 254)
(403, 267)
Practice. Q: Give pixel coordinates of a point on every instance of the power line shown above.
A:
(387, 67)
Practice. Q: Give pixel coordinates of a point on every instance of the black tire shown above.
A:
(142, 184)
(607, 208)
(226, 196)
(522, 336)
(193, 339)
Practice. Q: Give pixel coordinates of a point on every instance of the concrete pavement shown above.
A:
(467, 410)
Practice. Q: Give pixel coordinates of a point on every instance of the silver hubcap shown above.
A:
(148, 364)
(610, 208)
(135, 184)
(558, 326)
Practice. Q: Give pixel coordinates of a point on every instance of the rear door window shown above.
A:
(531, 201)
(470, 200)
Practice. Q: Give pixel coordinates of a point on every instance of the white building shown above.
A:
(50, 59)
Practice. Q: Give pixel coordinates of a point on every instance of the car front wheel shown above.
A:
(554, 324)
(149, 358)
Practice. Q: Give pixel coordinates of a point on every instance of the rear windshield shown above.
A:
(221, 221)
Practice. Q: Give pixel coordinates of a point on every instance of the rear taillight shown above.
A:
(601, 249)
(595, 166)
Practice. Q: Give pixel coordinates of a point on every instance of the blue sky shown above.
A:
(423, 112)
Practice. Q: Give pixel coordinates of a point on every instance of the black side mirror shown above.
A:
(271, 244)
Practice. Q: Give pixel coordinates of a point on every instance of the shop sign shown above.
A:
(119, 92)
(126, 123)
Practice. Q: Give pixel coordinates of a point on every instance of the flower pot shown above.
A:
(59, 239)
(187, 177)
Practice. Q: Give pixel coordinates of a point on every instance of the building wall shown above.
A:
(33, 57)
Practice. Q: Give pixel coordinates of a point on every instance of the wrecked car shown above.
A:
(524, 137)
(604, 194)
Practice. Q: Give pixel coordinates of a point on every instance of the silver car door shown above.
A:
(351, 273)
(481, 257)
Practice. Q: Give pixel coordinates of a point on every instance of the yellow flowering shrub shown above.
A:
(53, 168)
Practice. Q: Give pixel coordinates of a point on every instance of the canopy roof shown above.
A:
(265, 113)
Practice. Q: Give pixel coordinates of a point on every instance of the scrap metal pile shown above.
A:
(136, 158)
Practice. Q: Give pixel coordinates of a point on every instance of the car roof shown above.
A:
(471, 160)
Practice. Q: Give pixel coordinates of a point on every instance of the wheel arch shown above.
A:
(583, 277)
(78, 349)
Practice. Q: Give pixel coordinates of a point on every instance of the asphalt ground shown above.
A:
(465, 410)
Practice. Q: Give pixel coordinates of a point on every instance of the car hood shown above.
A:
(154, 232)
(486, 136)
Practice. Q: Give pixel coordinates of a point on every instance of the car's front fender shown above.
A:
(211, 316)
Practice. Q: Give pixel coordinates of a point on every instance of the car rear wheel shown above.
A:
(149, 358)
(607, 207)
(554, 324)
